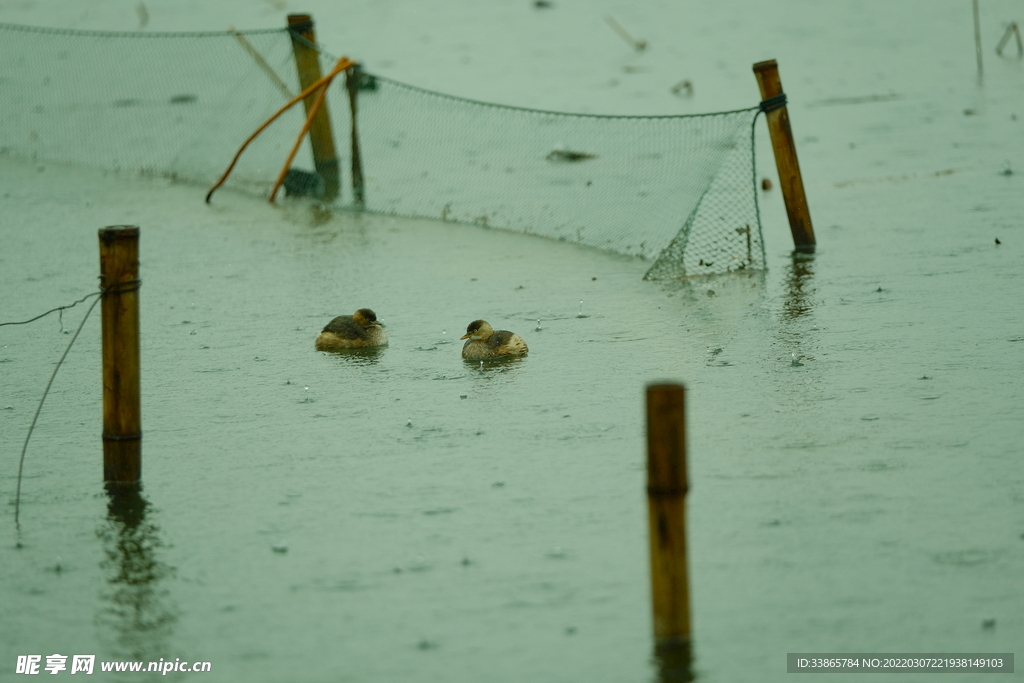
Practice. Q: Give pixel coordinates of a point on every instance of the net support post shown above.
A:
(321, 137)
(353, 80)
(122, 421)
(790, 180)
(666, 506)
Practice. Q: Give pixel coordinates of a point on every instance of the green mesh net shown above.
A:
(677, 190)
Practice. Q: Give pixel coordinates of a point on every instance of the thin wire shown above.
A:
(753, 184)
(59, 308)
(21, 461)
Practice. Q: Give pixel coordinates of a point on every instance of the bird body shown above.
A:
(357, 331)
(483, 342)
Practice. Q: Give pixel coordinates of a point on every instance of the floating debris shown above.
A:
(568, 155)
(766, 184)
(683, 88)
(853, 100)
(638, 45)
(1011, 30)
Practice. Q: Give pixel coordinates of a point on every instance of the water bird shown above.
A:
(484, 342)
(357, 331)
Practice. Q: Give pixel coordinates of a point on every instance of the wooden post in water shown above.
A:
(307, 62)
(792, 184)
(122, 421)
(666, 505)
(353, 78)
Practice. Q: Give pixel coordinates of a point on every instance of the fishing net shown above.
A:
(677, 190)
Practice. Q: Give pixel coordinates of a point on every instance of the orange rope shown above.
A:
(298, 141)
(343, 63)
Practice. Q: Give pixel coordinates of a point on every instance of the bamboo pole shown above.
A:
(122, 421)
(307, 62)
(666, 505)
(790, 180)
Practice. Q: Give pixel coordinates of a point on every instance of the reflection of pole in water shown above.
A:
(799, 286)
(135, 605)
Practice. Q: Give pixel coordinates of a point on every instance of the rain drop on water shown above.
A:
(580, 314)
(538, 325)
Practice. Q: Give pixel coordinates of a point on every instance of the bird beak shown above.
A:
(377, 323)
(465, 336)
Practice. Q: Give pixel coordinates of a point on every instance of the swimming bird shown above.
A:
(357, 331)
(484, 342)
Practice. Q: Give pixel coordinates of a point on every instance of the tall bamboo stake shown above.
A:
(122, 420)
(666, 505)
(790, 180)
(307, 62)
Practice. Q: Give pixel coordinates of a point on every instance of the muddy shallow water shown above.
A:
(855, 419)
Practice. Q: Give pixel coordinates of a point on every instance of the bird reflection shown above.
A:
(134, 605)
